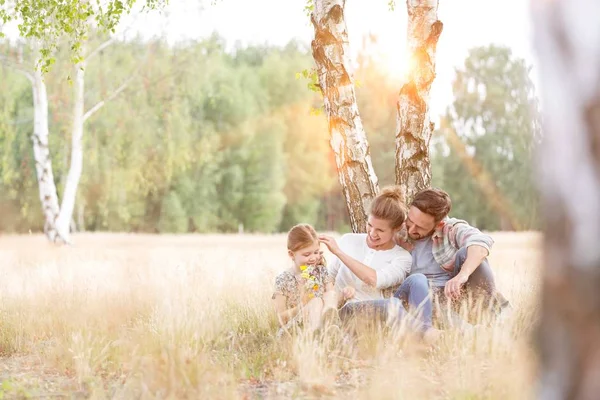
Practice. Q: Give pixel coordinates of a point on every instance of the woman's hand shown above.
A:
(330, 243)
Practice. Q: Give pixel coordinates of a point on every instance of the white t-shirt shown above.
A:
(391, 266)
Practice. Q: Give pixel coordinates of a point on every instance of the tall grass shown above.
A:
(120, 316)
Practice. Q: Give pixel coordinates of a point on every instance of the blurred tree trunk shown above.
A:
(567, 39)
(414, 129)
(348, 139)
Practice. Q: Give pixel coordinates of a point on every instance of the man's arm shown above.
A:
(478, 247)
(464, 235)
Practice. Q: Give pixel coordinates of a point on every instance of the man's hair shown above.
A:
(434, 202)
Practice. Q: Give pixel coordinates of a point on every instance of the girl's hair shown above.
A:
(301, 236)
(389, 205)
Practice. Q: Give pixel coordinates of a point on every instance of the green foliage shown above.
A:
(173, 217)
(313, 79)
(499, 129)
(309, 7)
(47, 21)
(495, 116)
(201, 135)
(203, 140)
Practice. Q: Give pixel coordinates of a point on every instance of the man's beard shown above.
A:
(419, 237)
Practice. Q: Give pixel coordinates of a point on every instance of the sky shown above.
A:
(467, 23)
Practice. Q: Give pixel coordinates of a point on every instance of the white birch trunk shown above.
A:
(414, 128)
(348, 139)
(70, 191)
(567, 39)
(43, 163)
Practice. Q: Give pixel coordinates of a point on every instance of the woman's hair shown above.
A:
(301, 236)
(389, 205)
(434, 202)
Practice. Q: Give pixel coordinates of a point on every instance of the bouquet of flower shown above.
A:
(313, 277)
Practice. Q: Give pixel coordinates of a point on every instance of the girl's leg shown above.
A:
(330, 300)
(312, 312)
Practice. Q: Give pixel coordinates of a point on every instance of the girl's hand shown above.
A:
(330, 243)
(348, 292)
(305, 295)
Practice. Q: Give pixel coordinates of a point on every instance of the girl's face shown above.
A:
(309, 255)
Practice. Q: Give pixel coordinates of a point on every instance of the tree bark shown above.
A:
(414, 128)
(567, 39)
(348, 139)
(74, 175)
(43, 163)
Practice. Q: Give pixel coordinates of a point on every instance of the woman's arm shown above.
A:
(362, 271)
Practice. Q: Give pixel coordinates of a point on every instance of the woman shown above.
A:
(372, 262)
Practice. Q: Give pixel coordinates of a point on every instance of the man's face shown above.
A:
(418, 224)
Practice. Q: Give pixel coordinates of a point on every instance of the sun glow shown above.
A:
(389, 56)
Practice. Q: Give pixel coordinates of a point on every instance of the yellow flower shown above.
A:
(303, 267)
(305, 275)
(316, 287)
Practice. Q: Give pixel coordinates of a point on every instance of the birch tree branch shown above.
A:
(114, 94)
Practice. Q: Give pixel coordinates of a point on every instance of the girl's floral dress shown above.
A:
(288, 284)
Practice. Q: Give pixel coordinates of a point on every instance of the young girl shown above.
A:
(304, 293)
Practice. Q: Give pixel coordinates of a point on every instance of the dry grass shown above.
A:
(132, 316)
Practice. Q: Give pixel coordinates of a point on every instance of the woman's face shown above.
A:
(379, 232)
(309, 255)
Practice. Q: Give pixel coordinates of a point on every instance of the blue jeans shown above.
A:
(481, 284)
(414, 291)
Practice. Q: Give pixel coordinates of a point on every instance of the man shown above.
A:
(448, 251)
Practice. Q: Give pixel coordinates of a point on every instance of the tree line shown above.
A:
(207, 140)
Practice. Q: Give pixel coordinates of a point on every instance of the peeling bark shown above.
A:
(567, 39)
(348, 139)
(414, 128)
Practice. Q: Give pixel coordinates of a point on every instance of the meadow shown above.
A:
(153, 317)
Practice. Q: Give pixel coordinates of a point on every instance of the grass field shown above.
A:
(133, 316)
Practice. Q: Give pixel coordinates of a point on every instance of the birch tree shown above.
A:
(80, 116)
(39, 138)
(414, 128)
(567, 40)
(348, 138)
(58, 216)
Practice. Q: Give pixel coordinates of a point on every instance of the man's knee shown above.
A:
(417, 280)
(411, 283)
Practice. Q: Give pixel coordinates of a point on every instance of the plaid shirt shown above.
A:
(450, 237)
